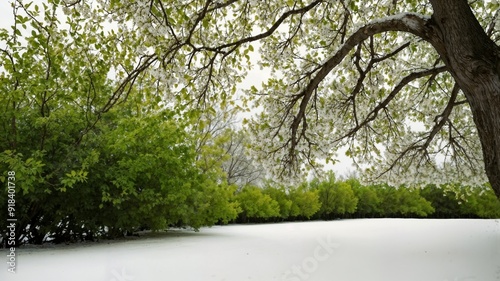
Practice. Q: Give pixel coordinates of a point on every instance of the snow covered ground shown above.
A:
(368, 250)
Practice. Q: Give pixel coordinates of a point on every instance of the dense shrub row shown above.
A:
(130, 173)
(330, 199)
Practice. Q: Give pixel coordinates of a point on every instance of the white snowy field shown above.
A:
(368, 250)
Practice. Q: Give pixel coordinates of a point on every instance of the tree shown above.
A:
(305, 201)
(472, 58)
(411, 203)
(93, 154)
(468, 203)
(344, 73)
(455, 200)
(240, 167)
(443, 201)
(279, 194)
(223, 146)
(148, 177)
(336, 197)
(351, 72)
(482, 203)
(255, 204)
(401, 202)
(368, 200)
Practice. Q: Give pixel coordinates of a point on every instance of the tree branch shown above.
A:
(267, 33)
(412, 23)
(382, 105)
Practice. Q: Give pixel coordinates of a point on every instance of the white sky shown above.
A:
(6, 17)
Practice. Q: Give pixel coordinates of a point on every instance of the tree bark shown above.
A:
(474, 61)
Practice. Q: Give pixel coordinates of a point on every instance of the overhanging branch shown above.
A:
(407, 22)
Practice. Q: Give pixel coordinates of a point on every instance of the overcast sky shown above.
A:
(6, 17)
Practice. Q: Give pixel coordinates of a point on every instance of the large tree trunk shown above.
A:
(474, 61)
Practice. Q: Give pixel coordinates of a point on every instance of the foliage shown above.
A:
(87, 163)
(366, 76)
(279, 194)
(151, 178)
(455, 200)
(337, 198)
(331, 198)
(444, 201)
(221, 145)
(255, 204)
(305, 202)
(403, 202)
(276, 202)
(481, 202)
(369, 202)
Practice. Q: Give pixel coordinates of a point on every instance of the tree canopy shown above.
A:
(387, 79)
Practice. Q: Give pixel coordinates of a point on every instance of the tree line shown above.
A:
(330, 198)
